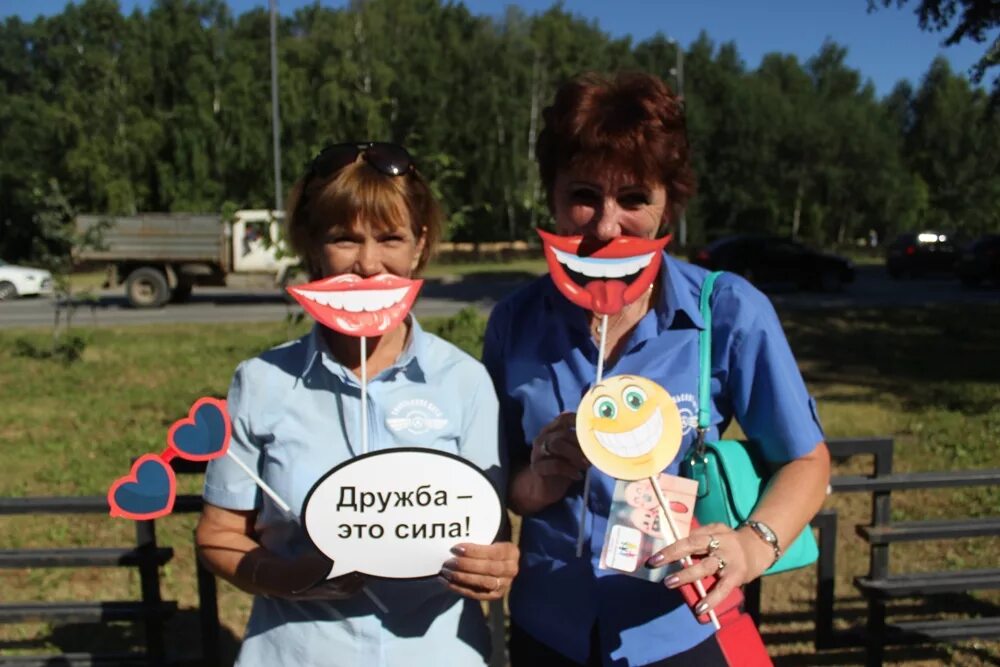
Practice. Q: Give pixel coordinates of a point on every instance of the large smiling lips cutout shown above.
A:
(608, 278)
(635, 443)
(358, 306)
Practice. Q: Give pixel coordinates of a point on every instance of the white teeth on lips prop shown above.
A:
(358, 306)
(606, 277)
(638, 442)
(593, 267)
(355, 302)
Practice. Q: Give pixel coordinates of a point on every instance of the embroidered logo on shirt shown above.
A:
(687, 405)
(417, 416)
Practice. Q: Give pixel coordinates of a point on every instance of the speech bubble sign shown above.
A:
(396, 513)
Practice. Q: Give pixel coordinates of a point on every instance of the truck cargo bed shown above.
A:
(157, 237)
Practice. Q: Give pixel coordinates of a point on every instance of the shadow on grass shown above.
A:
(933, 357)
(892, 655)
(785, 629)
(182, 638)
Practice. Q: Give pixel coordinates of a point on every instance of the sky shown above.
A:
(886, 45)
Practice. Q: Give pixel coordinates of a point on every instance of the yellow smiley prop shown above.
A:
(628, 427)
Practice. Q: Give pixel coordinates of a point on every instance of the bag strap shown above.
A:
(705, 361)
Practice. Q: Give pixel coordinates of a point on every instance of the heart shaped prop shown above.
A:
(147, 492)
(204, 435)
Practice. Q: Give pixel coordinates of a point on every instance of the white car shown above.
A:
(18, 281)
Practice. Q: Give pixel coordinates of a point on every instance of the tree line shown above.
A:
(169, 110)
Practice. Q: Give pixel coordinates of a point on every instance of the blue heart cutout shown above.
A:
(206, 436)
(152, 492)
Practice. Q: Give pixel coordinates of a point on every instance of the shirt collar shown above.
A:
(409, 359)
(676, 297)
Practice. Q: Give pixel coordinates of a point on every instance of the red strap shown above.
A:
(741, 643)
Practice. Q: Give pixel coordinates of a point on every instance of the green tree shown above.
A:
(977, 19)
(953, 145)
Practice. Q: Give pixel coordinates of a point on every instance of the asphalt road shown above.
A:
(873, 288)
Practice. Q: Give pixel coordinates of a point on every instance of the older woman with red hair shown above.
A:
(615, 163)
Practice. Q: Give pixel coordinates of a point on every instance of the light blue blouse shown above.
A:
(296, 413)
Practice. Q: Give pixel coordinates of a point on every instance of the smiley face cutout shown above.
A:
(628, 427)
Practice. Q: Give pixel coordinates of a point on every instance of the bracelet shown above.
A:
(764, 532)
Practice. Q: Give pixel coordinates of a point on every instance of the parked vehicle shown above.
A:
(980, 261)
(161, 256)
(921, 253)
(18, 281)
(770, 260)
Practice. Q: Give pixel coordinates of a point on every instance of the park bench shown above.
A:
(146, 556)
(880, 585)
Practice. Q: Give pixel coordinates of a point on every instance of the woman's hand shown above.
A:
(308, 580)
(338, 588)
(556, 453)
(227, 547)
(300, 578)
(481, 571)
(734, 557)
(556, 463)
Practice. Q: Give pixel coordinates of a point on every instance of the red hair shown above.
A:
(629, 123)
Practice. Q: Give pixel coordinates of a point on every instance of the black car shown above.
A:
(921, 253)
(980, 262)
(770, 260)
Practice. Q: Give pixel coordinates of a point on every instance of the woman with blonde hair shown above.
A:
(361, 209)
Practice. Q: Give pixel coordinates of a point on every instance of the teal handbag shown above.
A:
(731, 477)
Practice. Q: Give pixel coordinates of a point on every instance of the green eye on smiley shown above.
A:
(634, 397)
(605, 408)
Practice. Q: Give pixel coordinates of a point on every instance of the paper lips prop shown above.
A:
(356, 306)
(607, 279)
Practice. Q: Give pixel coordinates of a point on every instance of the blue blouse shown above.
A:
(295, 412)
(542, 358)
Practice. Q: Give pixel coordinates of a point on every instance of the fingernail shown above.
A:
(700, 609)
(458, 551)
(672, 581)
(655, 560)
(443, 580)
(450, 564)
(446, 574)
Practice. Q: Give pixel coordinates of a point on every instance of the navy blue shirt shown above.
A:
(542, 357)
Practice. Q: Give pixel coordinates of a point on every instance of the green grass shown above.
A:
(930, 378)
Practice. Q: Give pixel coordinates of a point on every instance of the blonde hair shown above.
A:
(360, 192)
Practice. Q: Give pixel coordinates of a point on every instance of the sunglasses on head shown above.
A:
(386, 158)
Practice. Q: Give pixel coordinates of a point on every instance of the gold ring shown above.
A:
(722, 565)
(497, 587)
(713, 545)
